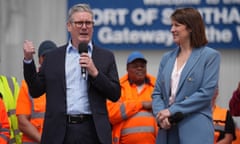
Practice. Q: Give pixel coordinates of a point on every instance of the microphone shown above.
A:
(83, 47)
(176, 118)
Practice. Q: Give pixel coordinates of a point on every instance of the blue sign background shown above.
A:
(145, 24)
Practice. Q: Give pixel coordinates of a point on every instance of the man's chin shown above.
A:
(84, 40)
(140, 79)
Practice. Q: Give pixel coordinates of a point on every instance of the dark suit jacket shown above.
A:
(51, 79)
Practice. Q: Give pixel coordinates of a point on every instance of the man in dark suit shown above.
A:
(75, 106)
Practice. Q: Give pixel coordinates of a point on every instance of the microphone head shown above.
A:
(83, 47)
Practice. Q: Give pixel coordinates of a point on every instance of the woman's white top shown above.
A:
(176, 73)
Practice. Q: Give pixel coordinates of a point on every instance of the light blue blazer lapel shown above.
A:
(168, 71)
(194, 57)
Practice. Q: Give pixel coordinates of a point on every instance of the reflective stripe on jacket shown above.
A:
(9, 89)
(34, 107)
(130, 122)
(4, 124)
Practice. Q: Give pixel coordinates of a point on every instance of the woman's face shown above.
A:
(180, 32)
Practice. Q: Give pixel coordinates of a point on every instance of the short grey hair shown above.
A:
(79, 8)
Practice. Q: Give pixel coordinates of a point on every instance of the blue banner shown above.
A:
(145, 24)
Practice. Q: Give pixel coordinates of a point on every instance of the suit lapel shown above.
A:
(168, 71)
(194, 57)
(61, 63)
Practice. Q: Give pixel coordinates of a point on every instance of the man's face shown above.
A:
(81, 27)
(137, 71)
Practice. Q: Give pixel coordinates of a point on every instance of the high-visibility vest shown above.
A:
(127, 117)
(219, 121)
(35, 107)
(9, 89)
(4, 124)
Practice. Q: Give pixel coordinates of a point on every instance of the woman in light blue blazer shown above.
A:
(186, 81)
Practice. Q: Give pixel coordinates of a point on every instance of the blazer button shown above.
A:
(186, 97)
(189, 79)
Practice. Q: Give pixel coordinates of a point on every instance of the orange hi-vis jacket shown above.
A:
(4, 124)
(9, 90)
(130, 122)
(34, 107)
(219, 121)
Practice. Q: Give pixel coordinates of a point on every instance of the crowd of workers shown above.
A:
(22, 116)
(62, 102)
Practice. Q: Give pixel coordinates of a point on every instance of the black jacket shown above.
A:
(51, 79)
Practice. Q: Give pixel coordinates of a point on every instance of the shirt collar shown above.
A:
(71, 47)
